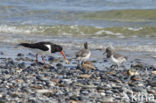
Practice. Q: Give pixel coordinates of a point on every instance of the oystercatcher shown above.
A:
(46, 47)
(83, 54)
(115, 57)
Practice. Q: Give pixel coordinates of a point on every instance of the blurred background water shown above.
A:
(117, 18)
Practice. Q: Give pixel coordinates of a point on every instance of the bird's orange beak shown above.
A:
(63, 55)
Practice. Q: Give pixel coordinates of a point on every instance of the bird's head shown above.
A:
(60, 49)
(86, 45)
(108, 51)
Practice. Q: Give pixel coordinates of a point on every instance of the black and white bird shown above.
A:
(83, 54)
(115, 57)
(47, 47)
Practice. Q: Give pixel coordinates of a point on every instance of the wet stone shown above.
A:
(1, 53)
(74, 97)
(52, 69)
(5, 72)
(41, 78)
(31, 101)
(28, 59)
(32, 55)
(84, 82)
(136, 89)
(59, 65)
(84, 92)
(34, 64)
(152, 81)
(135, 78)
(108, 92)
(22, 65)
(20, 54)
(11, 63)
(108, 99)
(105, 60)
(50, 83)
(51, 59)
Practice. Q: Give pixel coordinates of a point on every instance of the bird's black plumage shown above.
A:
(43, 46)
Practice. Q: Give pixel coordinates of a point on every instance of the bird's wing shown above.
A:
(41, 46)
(82, 53)
(38, 45)
(44, 43)
(116, 55)
(119, 56)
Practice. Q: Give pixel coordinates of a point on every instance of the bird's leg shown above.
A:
(117, 66)
(43, 59)
(113, 66)
(78, 63)
(45, 64)
(123, 66)
(82, 63)
(65, 57)
(36, 58)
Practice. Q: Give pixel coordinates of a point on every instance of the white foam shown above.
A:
(107, 32)
(135, 29)
(141, 48)
(20, 29)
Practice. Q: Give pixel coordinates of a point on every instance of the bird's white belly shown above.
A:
(84, 58)
(119, 60)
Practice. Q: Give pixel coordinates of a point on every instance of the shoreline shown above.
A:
(22, 80)
(30, 82)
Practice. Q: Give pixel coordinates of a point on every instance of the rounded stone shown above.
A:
(20, 54)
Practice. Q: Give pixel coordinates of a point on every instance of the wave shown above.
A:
(122, 15)
(77, 30)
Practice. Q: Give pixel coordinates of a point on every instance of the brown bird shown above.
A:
(115, 57)
(83, 54)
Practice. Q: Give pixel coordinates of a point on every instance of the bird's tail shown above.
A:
(26, 45)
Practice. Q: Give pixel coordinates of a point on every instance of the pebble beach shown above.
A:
(22, 80)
